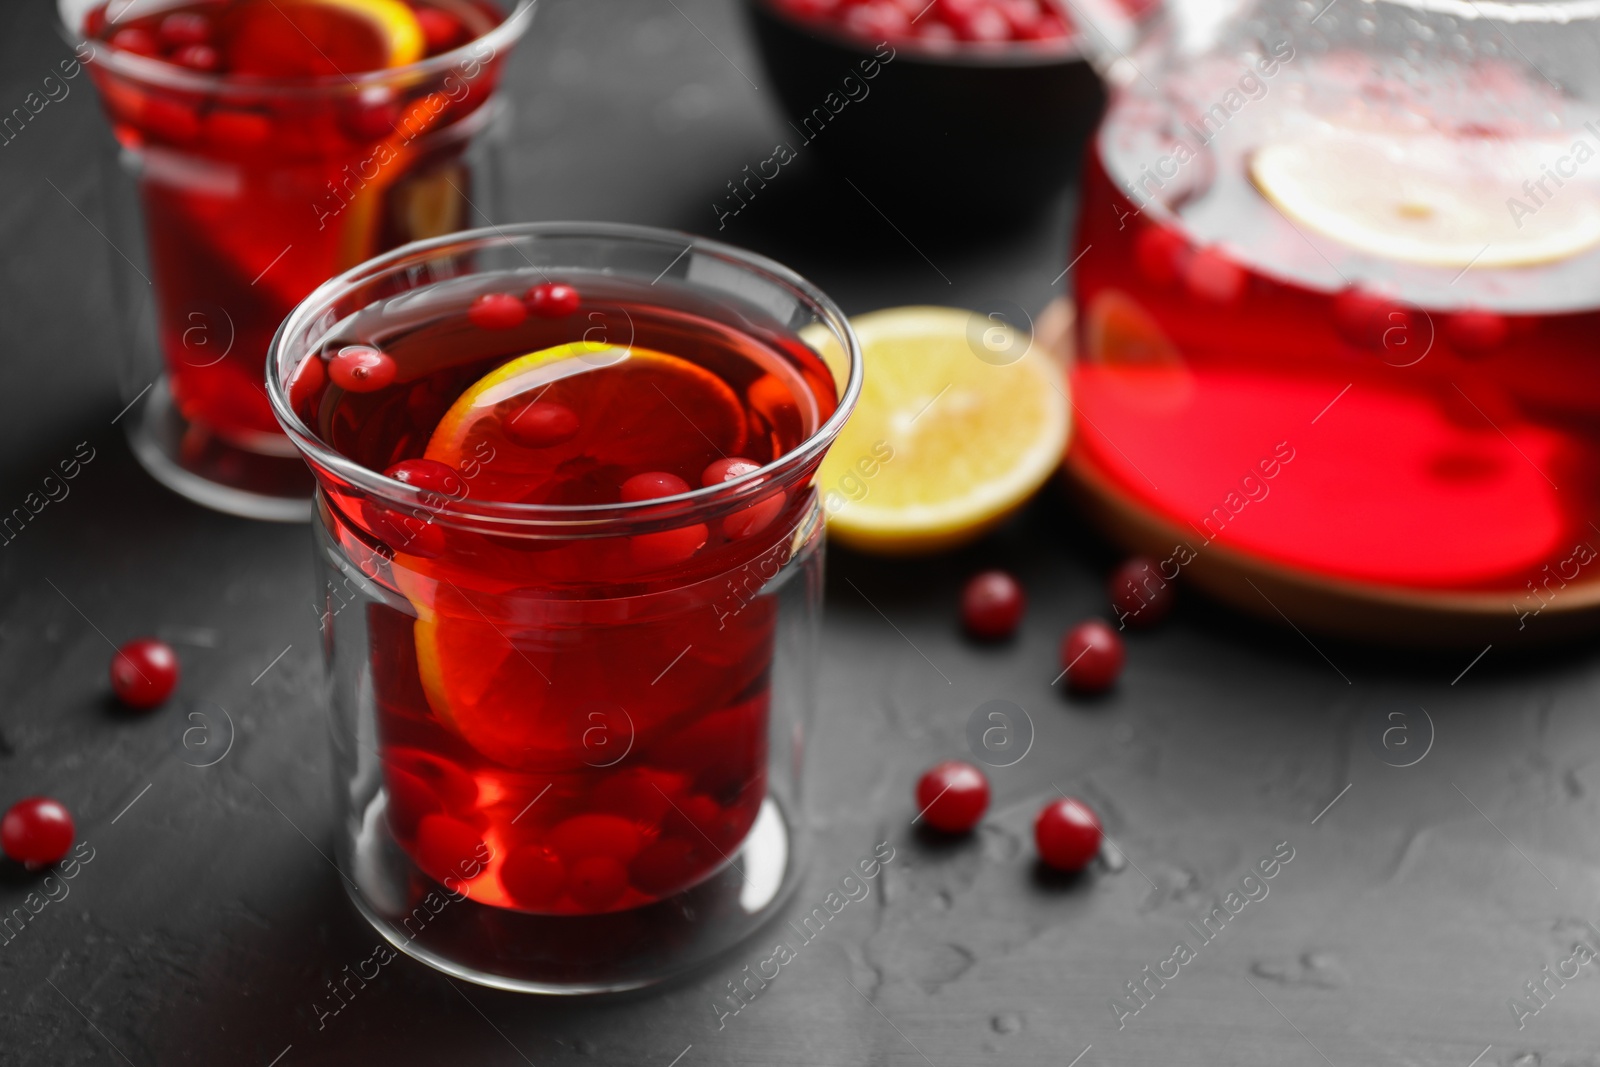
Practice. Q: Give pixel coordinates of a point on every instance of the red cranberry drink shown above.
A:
(568, 724)
(1344, 321)
(276, 144)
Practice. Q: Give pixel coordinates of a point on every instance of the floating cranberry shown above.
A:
(144, 673)
(1372, 321)
(952, 796)
(553, 300)
(596, 882)
(596, 835)
(1475, 332)
(139, 41)
(410, 800)
(1211, 276)
(185, 27)
(542, 424)
(201, 57)
(1067, 834)
(726, 470)
(665, 866)
(373, 113)
(1161, 254)
(497, 311)
(1091, 656)
(448, 848)
(652, 551)
(36, 832)
(430, 476)
(651, 485)
(440, 29)
(411, 534)
(360, 369)
(533, 875)
(306, 386)
(746, 522)
(1141, 596)
(991, 605)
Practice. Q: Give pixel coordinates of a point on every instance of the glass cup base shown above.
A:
(194, 462)
(572, 954)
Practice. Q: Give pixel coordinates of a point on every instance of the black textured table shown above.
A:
(1418, 902)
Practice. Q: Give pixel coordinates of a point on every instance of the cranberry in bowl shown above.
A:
(929, 106)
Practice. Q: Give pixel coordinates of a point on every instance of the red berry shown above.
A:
(952, 796)
(37, 832)
(877, 22)
(596, 882)
(201, 57)
(359, 369)
(440, 29)
(756, 517)
(553, 300)
(1475, 332)
(1091, 656)
(413, 535)
(726, 470)
(497, 311)
(653, 551)
(430, 476)
(992, 605)
(651, 485)
(448, 848)
(306, 385)
(185, 27)
(1067, 834)
(144, 673)
(138, 41)
(664, 866)
(1371, 320)
(986, 26)
(1141, 596)
(1161, 253)
(533, 875)
(1211, 276)
(542, 424)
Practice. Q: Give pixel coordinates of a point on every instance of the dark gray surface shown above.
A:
(207, 922)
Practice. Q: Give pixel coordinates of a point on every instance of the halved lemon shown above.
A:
(961, 419)
(1431, 199)
(509, 685)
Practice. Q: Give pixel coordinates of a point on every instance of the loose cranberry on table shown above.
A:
(992, 605)
(1091, 656)
(552, 300)
(1067, 834)
(1140, 594)
(144, 673)
(36, 832)
(952, 796)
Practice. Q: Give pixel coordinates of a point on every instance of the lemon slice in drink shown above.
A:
(1430, 199)
(961, 419)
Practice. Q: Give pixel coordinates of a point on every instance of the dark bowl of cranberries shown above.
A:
(974, 111)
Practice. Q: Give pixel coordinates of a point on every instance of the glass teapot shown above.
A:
(1337, 279)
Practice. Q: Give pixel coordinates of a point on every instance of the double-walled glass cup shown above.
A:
(229, 197)
(569, 738)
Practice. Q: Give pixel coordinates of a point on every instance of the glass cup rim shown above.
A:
(752, 485)
(150, 71)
